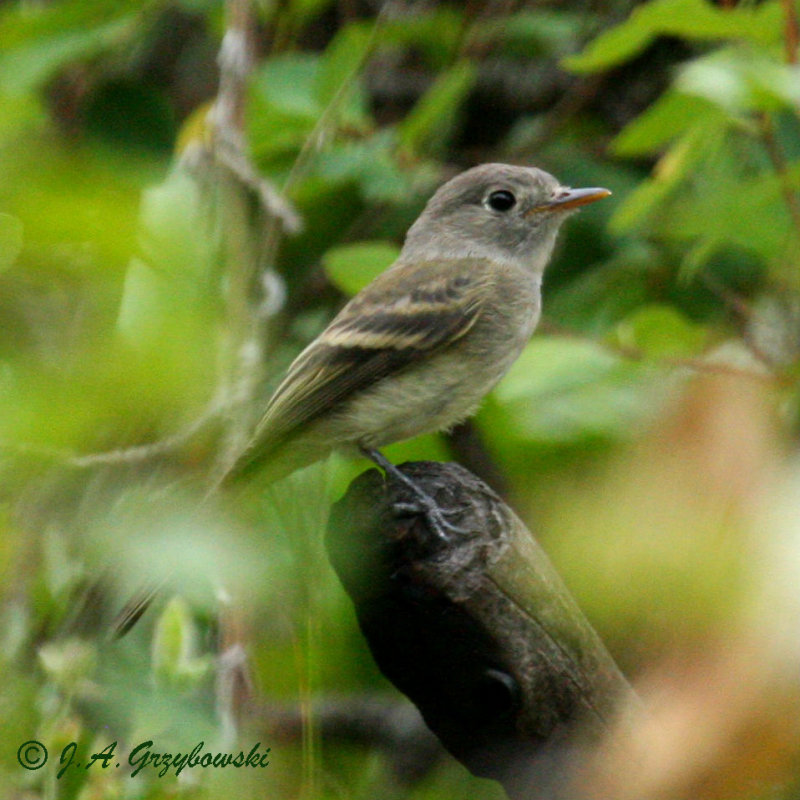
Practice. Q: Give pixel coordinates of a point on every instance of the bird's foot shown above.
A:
(423, 503)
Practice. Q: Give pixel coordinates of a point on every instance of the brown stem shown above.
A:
(791, 30)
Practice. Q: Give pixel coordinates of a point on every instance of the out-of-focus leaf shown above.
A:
(739, 80)
(437, 34)
(553, 365)
(534, 32)
(10, 240)
(372, 163)
(175, 659)
(565, 390)
(80, 199)
(338, 72)
(429, 124)
(68, 663)
(695, 20)
(671, 115)
(171, 216)
(288, 82)
(698, 144)
(301, 11)
(27, 67)
(748, 212)
(21, 24)
(351, 267)
(283, 105)
(601, 297)
(659, 331)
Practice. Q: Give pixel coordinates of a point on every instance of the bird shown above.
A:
(418, 348)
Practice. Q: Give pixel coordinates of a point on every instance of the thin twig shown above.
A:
(122, 455)
(791, 30)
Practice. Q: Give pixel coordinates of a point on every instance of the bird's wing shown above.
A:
(379, 332)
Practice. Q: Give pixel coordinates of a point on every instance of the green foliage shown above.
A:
(10, 240)
(540, 31)
(351, 267)
(713, 133)
(562, 391)
(175, 660)
(38, 43)
(128, 292)
(661, 331)
(697, 20)
(428, 126)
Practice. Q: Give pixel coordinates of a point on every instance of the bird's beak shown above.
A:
(567, 199)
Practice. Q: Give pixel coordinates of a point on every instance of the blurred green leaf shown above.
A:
(26, 67)
(437, 33)
(373, 164)
(739, 79)
(283, 105)
(10, 240)
(699, 143)
(568, 389)
(350, 267)
(175, 659)
(302, 11)
(172, 287)
(695, 20)
(429, 124)
(553, 365)
(659, 331)
(337, 77)
(542, 32)
(671, 115)
(599, 298)
(68, 663)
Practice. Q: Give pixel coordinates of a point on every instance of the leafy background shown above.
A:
(153, 288)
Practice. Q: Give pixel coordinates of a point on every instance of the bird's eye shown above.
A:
(501, 200)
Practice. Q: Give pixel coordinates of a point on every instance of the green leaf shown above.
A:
(303, 11)
(695, 20)
(530, 33)
(351, 267)
(10, 240)
(427, 127)
(288, 82)
(25, 68)
(563, 390)
(739, 80)
(660, 331)
(172, 285)
(69, 663)
(553, 365)
(283, 106)
(437, 35)
(597, 299)
(174, 649)
(340, 65)
(671, 115)
(700, 143)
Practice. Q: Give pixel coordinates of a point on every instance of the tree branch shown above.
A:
(478, 630)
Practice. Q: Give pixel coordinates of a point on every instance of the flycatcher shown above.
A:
(417, 349)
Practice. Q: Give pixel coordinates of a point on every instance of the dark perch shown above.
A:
(479, 631)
